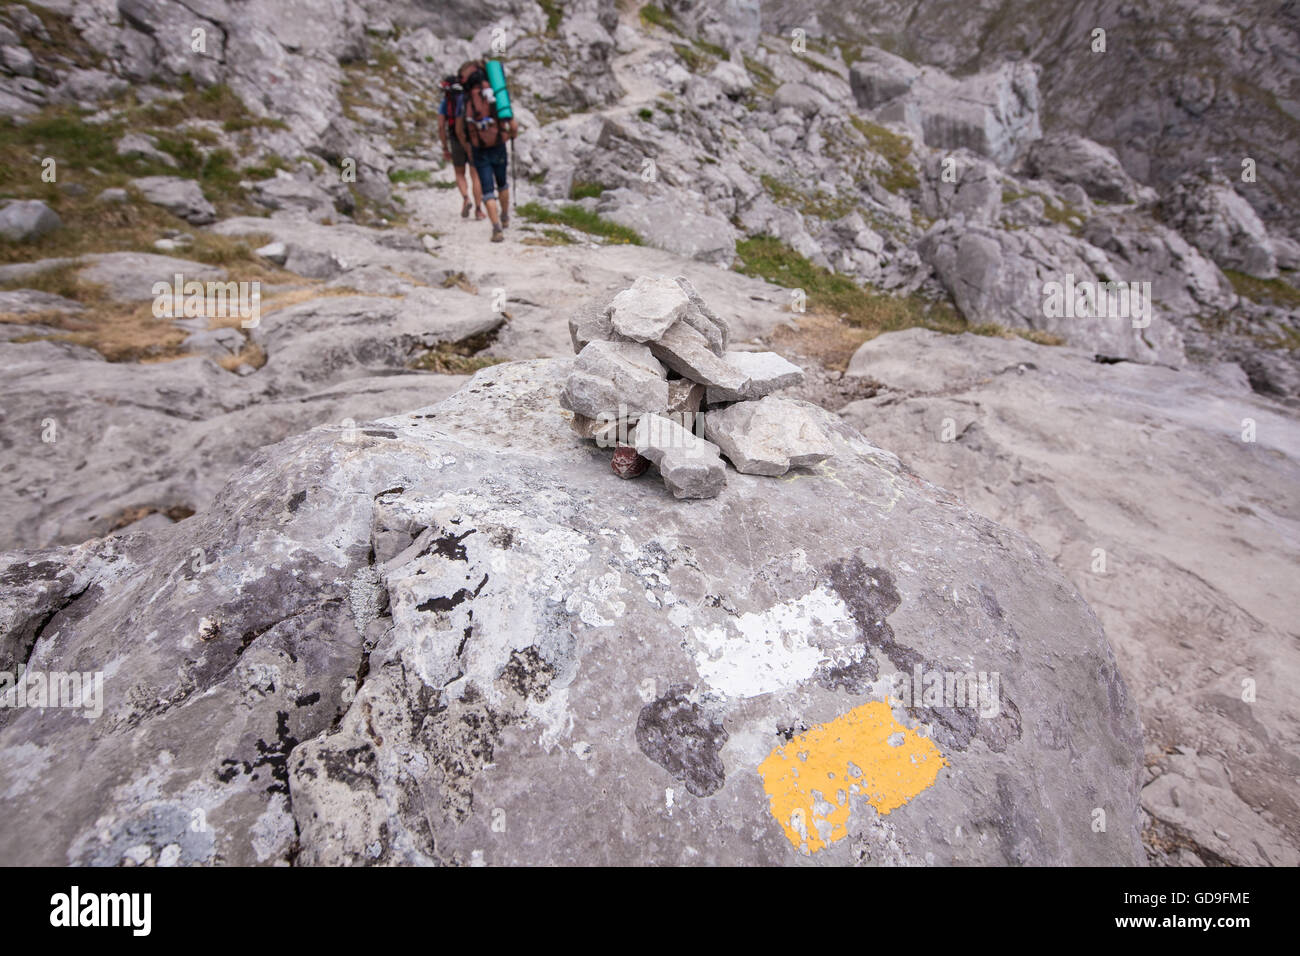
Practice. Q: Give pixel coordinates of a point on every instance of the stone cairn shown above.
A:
(655, 381)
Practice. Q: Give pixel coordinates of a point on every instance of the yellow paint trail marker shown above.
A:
(810, 779)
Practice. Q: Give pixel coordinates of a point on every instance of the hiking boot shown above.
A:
(479, 214)
(498, 235)
(464, 210)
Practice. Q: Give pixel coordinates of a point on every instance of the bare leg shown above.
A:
(461, 184)
(505, 202)
(493, 213)
(478, 188)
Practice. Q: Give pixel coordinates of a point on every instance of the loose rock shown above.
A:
(27, 220)
(180, 197)
(609, 377)
(769, 436)
(767, 373)
(646, 310)
(690, 465)
(686, 351)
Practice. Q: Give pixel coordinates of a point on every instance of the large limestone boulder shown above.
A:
(993, 113)
(1066, 158)
(669, 221)
(1218, 221)
(1008, 278)
(1166, 497)
(455, 636)
(963, 184)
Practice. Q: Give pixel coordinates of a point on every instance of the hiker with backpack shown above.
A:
(484, 135)
(454, 151)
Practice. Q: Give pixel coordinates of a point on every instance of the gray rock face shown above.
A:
(295, 198)
(325, 252)
(17, 60)
(800, 97)
(1222, 224)
(176, 430)
(961, 184)
(880, 78)
(275, 252)
(1065, 158)
(994, 113)
(644, 311)
(1194, 798)
(130, 276)
(394, 637)
(1184, 280)
(1175, 567)
(733, 78)
(215, 343)
(611, 376)
(767, 372)
(27, 220)
(1000, 277)
(1204, 81)
(143, 146)
(1287, 252)
(29, 301)
(666, 222)
(690, 466)
(180, 197)
(769, 436)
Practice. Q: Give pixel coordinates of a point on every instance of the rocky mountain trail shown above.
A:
(363, 513)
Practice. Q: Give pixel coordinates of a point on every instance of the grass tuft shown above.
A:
(896, 150)
(837, 295)
(575, 217)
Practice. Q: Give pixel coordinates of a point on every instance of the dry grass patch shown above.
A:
(251, 354)
(460, 281)
(124, 333)
(1036, 336)
(823, 337)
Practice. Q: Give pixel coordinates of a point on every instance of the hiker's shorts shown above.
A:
(491, 166)
(458, 155)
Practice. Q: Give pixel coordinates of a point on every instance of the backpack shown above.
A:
(480, 111)
(452, 95)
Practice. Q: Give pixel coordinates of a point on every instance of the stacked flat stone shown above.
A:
(651, 360)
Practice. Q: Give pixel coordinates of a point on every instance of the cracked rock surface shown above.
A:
(375, 636)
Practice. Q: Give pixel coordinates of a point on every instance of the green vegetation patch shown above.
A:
(575, 217)
(764, 79)
(818, 203)
(410, 176)
(896, 150)
(768, 258)
(1266, 291)
(553, 15)
(654, 15)
(695, 61)
(581, 189)
(1037, 336)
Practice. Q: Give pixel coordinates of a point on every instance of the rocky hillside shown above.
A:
(355, 619)
(1181, 86)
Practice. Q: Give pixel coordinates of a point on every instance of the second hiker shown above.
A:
(485, 135)
(453, 149)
